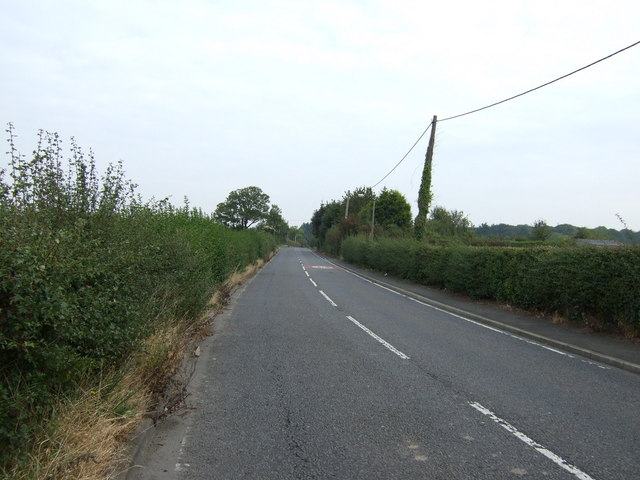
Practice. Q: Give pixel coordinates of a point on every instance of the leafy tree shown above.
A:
(324, 218)
(565, 229)
(392, 208)
(358, 199)
(331, 216)
(583, 233)
(540, 231)
(449, 223)
(307, 230)
(316, 221)
(243, 208)
(275, 223)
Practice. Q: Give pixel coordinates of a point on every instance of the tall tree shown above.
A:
(307, 230)
(392, 208)
(328, 215)
(275, 223)
(243, 208)
(358, 199)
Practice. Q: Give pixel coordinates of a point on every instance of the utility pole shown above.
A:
(346, 213)
(424, 194)
(373, 218)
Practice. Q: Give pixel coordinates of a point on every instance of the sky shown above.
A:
(309, 99)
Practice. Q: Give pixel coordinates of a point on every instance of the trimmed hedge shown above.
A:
(598, 286)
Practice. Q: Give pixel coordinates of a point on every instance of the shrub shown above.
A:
(86, 272)
(593, 285)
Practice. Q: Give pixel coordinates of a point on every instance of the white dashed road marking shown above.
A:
(379, 339)
(327, 298)
(575, 471)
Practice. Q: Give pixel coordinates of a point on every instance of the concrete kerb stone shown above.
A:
(593, 355)
(142, 437)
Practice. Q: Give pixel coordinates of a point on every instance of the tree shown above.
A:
(583, 233)
(243, 208)
(540, 231)
(392, 208)
(275, 223)
(307, 230)
(328, 215)
(449, 223)
(358, 199)
(297, 235)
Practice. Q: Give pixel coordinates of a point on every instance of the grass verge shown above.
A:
(88, 436)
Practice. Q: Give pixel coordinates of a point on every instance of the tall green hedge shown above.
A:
(599, 286)
(86, 271)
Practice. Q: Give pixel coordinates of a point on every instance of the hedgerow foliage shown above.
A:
(598, 286)
(86, 270)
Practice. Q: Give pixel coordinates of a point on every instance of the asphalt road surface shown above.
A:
(316, 373)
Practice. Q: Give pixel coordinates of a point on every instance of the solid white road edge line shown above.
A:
(508, 334)
(327, 298)
(532, 443)
(379, 339)
(522, 339)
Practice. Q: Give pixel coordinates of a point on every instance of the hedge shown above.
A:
(597, 286)
(87, 271)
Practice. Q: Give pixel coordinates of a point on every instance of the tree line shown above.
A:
(541, 231)
(388, 214)
(358, 212)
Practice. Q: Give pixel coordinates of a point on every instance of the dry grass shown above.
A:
(237, 278)
(558, 319)
(89, 436)
(84, 440)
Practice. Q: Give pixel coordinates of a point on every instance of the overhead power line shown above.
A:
(500, 102)
(540, 86)
(405, 155)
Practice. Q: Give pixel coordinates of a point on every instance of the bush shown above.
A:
(86, 272)
(593, 285)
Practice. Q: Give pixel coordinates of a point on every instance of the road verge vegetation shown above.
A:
(100, 293)
(594, 286)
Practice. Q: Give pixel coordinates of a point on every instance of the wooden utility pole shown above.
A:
(373, 218)
(424, 194)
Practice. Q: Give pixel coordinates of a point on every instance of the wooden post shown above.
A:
(424, 194)
(373, 218)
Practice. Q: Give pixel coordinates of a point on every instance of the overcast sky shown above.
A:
(308, 99)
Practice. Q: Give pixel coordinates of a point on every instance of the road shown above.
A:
(316, 373)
